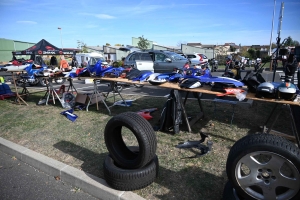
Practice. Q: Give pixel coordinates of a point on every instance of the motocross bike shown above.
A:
(30, 76)
(233, 72)
(214, 65)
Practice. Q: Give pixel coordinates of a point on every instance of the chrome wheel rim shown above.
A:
(267, 175)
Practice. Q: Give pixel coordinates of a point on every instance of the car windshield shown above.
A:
(94, 60)
(175, 56)
(100, 58)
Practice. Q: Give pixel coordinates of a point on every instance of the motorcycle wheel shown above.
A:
(264, 166)
(138, 85)
(60, 81)
(44, 82)
(118, 88)
(36, 82)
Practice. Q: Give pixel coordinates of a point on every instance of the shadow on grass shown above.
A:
(192, 182)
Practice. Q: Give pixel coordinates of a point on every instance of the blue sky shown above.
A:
(168, 22)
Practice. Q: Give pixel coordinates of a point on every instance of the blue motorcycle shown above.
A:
(33, 76)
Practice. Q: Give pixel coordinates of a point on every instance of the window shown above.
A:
(191, 56)
(132, 57)
(93, 61)
(159, 57)
(146, 56)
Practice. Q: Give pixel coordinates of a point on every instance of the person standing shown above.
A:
(64, 65)
(74, 62)
(53, 61)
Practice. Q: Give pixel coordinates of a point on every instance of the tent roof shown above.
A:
(43, 47)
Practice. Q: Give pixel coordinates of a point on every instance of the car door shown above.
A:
(162, 63)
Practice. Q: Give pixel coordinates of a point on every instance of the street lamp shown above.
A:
(61, 38)
(270, 50)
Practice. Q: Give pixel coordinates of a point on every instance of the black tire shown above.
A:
(60, 81)
(264, 166)
(129, 179)
(36, 82)
(142, 131)
(229, 192)
(43, 81)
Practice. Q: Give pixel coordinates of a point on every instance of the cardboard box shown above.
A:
(81, 98)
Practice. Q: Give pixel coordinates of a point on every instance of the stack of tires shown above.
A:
(130, 168)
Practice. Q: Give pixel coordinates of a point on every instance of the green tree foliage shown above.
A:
(107, 44)
(252, 53)
(257, 54)
(232, 48)
(290, 42)
(143, 43)
(81, 45)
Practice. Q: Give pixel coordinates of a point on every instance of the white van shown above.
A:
(84, 58)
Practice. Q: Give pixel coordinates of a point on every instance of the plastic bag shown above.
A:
(241, 95)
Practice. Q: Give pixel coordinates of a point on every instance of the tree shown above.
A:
(252, 53)
(107, 44)
(290, 42)
(81, 45)
(143, 43)
(232, 48)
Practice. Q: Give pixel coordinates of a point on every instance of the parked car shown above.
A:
(163, 61)
(197, 58)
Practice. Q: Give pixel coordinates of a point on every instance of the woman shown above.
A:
(64, 65)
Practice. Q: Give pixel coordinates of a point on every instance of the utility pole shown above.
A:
(270, 51)
(61, 38)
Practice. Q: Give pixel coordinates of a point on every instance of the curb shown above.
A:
(91, 184)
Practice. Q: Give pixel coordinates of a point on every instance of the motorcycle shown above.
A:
(214, 65)
(233, 72)
(257, 64)
(30, 76)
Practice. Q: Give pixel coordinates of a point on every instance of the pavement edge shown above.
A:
(89, 183)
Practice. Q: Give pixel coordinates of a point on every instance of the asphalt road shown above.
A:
(20, 181)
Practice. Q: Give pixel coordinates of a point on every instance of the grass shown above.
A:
(81, 143)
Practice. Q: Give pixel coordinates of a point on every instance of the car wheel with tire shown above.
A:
(139, 128)
(129, 179)
(264, 166)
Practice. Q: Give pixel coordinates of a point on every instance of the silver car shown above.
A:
(163, 61)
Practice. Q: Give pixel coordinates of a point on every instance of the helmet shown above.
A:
(190, 83)
(143, 76)
(286, 91)
(153, 76)
(265, 89)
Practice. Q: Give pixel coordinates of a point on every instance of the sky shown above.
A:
(167, 22)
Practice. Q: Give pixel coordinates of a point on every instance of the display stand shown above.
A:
(189, 124)
(97, 95)
(51, 92)
(295, 127)
(71, 87)
(24, 92)
(114, 90)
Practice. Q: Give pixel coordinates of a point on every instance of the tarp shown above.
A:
(43, 47)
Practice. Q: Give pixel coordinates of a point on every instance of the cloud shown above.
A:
(100, 16)
(26, 22)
